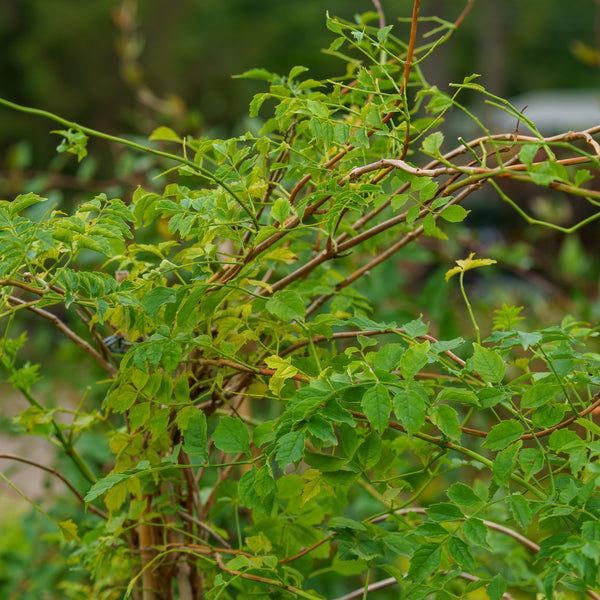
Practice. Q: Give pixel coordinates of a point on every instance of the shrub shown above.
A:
(269, 435)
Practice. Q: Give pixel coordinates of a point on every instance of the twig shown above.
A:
(78, 341)
(501, 171)
(124, 142)
(192, 519)
(378, 585)
(266, 580)
(352, 334)
(56, 473)
(530, 545)
(224, 362)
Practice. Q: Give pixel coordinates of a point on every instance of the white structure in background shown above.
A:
(553, 111)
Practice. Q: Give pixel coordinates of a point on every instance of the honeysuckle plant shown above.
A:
(269, 435)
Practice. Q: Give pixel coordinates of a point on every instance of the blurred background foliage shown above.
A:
(128, 66)
(90, 61)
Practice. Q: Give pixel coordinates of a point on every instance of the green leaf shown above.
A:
(431, 530)
(496, 587)
(461, 553)
(290, 448)
(295, 71)
(249, 497)
(488, 363)
(504, 463)
(122, 398)
(528, 152)
(475, 530)
(388, 357)
(195, 436)
(325, 463)
(546, 172)
(416, 327)
(346, 523)
(439, 103)
(414, 359)
(257, 74)
(264, 486)
(284, 370)
(503, 434)
(462, 494)
(190, 305)
(105, 484)
(425, 560)
(156, 298)
(165, 134)
(382, 33)
(445, 418)
(317, 108)
(444, 511)
(281, 210)
(581, 176)
(322, 429)
(369, 451)
(538, 394)
(531, 461)
(287, 305)
(377, 406)
(410, 407)
(24, 201)
(68, 530)
(432, 143)
(454, 213)
(231, 436)
(521, 510)
(563, 440)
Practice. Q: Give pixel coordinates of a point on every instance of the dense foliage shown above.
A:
(269, 435)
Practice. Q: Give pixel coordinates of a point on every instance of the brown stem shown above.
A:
(78, 341)
(224, 362)
(56, 473)
(409, 237)
(379, 585)
(147, 555)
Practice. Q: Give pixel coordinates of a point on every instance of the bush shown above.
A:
(269, 434)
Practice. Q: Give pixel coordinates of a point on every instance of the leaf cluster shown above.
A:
(268, 433)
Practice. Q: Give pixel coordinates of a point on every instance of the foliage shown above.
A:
(270, 435)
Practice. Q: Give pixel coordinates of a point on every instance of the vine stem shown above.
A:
(471, 315)
(125, 142)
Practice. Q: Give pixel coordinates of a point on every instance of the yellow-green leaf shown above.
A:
(164, 134)
(467, 264)
(68, 529)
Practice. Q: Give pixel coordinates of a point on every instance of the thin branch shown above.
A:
(409, 237)
(192, 519)
(56, 473)
(265, 580)
(78, 341)
(501, 171)
(379, 10)
(595, 404)
(378, 585)
(224, 362)
(125, 142)
(352, 334)
(407, 67)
